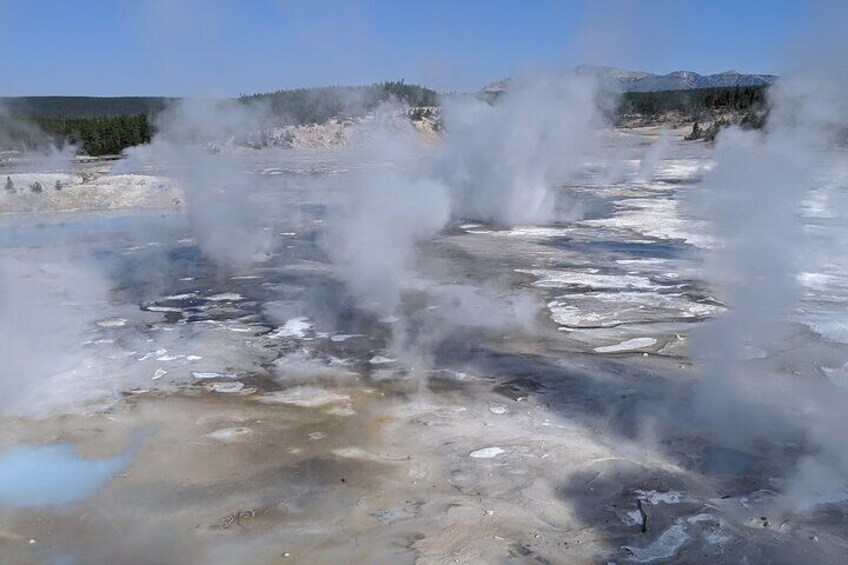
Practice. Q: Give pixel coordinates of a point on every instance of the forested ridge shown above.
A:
(62, 107)
(102, 126)
(319, 104)
(105, 135)
(692, 102)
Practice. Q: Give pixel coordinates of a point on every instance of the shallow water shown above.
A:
(53, 474)
(286, 424)
(718, 460)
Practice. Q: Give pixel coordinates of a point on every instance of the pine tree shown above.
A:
(696, 132)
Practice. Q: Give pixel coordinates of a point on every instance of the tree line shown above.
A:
(741, 99)
(104, 135)
(106, 126)
(317, 105)
(60, 107)
(88, 124)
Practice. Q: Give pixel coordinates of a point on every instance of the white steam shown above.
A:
(756, 191)
(652, 157)
(503, 161)
(49, 301)
(372, 235)
(20, 134)
(195, 145)
(499, 162)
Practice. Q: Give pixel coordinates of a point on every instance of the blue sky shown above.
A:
(227, 47)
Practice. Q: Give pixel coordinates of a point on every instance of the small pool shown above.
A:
(54, 474)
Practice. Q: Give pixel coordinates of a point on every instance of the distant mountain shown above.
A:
(638, 81)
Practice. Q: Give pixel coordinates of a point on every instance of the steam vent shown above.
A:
(375, 283)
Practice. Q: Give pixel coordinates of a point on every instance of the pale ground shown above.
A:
(275, 425)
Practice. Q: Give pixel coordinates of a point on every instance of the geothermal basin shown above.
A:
(532, 398)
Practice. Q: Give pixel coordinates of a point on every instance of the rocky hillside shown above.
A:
(335, 132)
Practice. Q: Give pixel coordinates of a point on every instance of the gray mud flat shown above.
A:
(269, 421)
